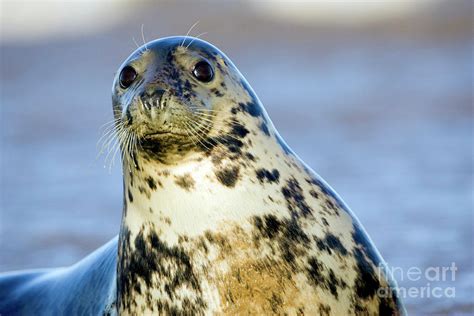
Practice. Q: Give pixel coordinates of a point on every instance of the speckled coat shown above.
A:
(237, 224)
(227, 219)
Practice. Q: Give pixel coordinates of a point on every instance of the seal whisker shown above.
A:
(132, 145)
(196, 37)
(196, 135)
(108, 140)
(190, 135)
(213, 115)
(135, 145)
(201, 125)
(222, 121)
(115, 120)
(112, 135)
(106, 161)
(220, 138)
(208, 110)
(106, 133)
(189, 31)
(110, 146)
(105, 136)
(114, 148)
(143, 37)
(204, 140)
(123, 150)
(193, 137)
(135, 41)
(127, 150)
(122, 137)
(215, 119)
(199, 137)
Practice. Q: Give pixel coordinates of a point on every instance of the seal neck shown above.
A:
(198, 194)
(215, 183)
(214, 186)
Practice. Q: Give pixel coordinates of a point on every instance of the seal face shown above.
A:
(220, 215)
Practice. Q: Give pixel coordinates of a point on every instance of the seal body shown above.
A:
(220, 215)
(86, 288)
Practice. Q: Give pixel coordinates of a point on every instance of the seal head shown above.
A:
(166, 96)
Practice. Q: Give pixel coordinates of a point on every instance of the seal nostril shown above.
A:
(151, 98)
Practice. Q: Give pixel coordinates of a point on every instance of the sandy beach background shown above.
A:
(376, 98)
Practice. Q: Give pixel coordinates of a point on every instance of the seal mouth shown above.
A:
(150, 136)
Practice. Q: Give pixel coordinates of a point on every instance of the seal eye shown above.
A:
(127, 76)
(203, 71)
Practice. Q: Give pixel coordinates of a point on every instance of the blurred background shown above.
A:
(375, 96)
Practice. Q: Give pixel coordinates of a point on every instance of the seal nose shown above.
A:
(151, 98)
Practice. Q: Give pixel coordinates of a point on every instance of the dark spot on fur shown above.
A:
(289, 235)
(228, 176)
(361, 240)
(324, 310)
(293, 238)
(366, 283)
(314, 194)
(271, 226)
(251, 108)
(316, 274)
(130, 196)
(295, 198)
(265, 175)
(325, 189)
(331, 243)
(276, 303)
(185, 181)
(239, 130)
(143, 191)
(250, 157)
(129, 117)
(386, 308)
(233, 144)
(217, 92)
(151, 261)
(151, 183)
(315, 270)
(187, 85)
(264, 128)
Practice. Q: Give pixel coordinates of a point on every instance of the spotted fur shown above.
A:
(251, 228)
(220, 216)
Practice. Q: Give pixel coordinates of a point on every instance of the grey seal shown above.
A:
(220, 215)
